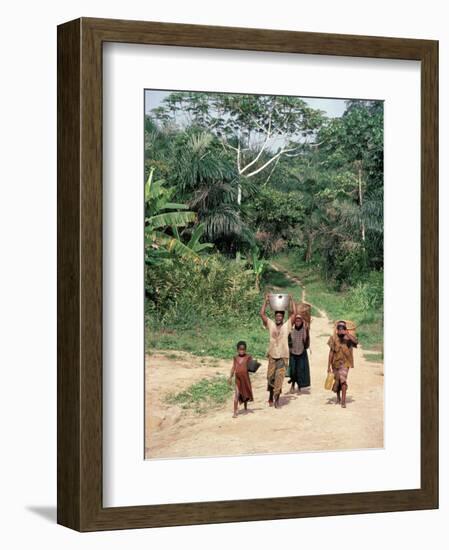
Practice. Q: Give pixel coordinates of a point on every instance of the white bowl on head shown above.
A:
(279, 302)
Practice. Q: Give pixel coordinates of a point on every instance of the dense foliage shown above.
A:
(233, 180)
(189, 291)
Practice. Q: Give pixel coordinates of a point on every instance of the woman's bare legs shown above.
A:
(343, 395)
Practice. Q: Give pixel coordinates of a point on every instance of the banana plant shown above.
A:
(193, 247)
(160, 214)
(258, 266)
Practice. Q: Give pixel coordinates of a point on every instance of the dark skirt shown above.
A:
(299, 369)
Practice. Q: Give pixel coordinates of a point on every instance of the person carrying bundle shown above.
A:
(341, 359)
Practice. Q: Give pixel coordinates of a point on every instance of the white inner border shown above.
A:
(128, 478)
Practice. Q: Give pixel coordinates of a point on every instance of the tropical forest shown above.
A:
(247, 194)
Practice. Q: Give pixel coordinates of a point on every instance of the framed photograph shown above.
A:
(247, 274)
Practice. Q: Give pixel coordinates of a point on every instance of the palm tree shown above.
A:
(204, 173)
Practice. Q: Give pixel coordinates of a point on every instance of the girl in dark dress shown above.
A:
(299, 342)
(243, 391)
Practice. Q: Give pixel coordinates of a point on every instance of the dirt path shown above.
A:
(310, 421)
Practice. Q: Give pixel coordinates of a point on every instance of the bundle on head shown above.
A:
(350, 326)
(305, 310)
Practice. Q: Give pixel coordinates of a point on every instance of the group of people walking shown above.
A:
(289, 341)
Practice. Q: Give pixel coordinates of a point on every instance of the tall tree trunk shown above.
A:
(239, 202)
(359, 177)
(309, 248)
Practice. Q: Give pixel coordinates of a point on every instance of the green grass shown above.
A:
(212, 339)
(202, 395)
(374, 357)
(337, 305)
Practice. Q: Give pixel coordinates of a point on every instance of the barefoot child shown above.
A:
(341, 359)
(243, 391)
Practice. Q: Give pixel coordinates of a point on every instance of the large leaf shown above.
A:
(174, 206)
(202, 246)
(178, 247)
(196, 235)
(166, 219)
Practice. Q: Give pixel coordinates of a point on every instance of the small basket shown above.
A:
(305, 310)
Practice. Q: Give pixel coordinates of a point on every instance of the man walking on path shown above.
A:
(278, 352)
(341, 359)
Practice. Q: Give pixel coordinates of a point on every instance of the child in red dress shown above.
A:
(243, 391)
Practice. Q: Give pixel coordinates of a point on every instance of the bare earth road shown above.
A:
(310, 421)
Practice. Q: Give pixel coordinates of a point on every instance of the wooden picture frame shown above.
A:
(80, 504)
